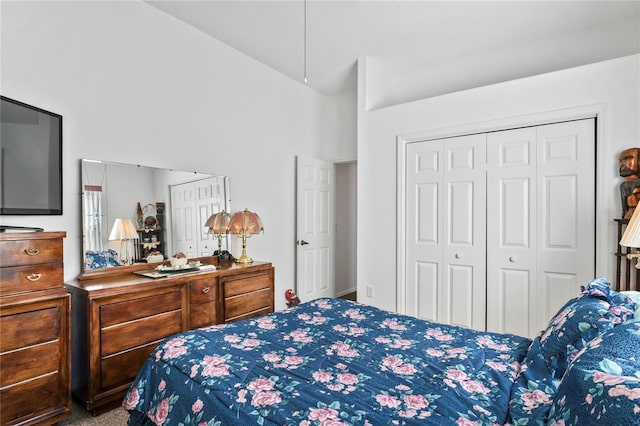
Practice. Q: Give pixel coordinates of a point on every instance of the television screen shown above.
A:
(30, 160)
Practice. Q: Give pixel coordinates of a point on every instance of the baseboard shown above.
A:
(343, 292)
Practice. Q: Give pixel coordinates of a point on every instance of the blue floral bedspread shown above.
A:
(329, 362)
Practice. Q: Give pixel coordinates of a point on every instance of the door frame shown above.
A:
(598, 111)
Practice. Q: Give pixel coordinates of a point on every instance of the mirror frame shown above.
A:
(183, 177)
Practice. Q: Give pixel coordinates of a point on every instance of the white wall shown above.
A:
(611, 85)
(346, 247)
(135, 85)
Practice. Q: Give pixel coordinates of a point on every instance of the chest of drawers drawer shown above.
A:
(30, 252)
(21, 279)
(35, 360)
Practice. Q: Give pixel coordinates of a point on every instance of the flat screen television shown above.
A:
(30, 160)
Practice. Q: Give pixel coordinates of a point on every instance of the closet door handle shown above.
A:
(458, 255)
(513, 259)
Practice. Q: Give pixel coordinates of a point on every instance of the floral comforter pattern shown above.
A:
(328, 362)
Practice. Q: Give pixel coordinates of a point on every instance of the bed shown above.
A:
(337, 362)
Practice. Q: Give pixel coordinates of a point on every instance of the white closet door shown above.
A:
(541, 239)
(191, 205)
(566, 214)
(209, 199)
(511, 230)
(446, 230)
(184, 238)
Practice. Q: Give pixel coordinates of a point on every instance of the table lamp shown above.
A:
(631, 236)
(244, 224)
(124, 231)
(218, 224)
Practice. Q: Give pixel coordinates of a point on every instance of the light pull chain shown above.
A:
(305, 41)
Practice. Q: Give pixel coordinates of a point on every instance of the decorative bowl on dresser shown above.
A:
(35, 356)
(121, 314)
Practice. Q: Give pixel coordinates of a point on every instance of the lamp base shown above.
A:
(244, 259)
(631, 256)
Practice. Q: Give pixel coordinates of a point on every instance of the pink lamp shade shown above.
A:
(244, 224)
(218, 224)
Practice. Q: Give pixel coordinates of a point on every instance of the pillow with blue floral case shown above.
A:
(635, 297)
(580, 320)
(602, 384)
(100, 259)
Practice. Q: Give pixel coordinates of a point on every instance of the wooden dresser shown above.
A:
(119, 319)
(35, 356)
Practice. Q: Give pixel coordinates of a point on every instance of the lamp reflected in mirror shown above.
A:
(124, 231)
(218, 224)
(244, 224)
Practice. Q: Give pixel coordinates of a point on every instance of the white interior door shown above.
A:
(445, 267)
(315, 224)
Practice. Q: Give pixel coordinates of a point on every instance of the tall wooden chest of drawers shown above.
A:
(35, 356)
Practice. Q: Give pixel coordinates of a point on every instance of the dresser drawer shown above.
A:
(202, 315)
(128, 335)
(247, 304)
(141, 307)
(203, 290)
(246, 284)
(29, 362)
(38, 397)
(21, 279)
(29, 328)
(122, 368)
(30, 252)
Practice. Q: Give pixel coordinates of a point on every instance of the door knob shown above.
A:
(512, 259)
(458, 255)
(302, 243)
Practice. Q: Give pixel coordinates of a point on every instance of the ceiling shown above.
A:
(406, 36)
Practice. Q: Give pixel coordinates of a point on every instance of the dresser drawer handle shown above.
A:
(205, 290)
(32, 251)
(34, 277)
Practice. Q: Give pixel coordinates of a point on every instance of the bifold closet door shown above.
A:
(446, 219)
(541, 229)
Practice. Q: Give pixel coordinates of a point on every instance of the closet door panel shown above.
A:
(511, 254)
(183, 215)
(464, 286)
(566, 218)
(424, 213)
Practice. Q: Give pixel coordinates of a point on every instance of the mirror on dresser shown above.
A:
(166, 211)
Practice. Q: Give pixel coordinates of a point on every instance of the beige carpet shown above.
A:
(81, 417)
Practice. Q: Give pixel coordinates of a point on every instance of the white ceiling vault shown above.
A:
(445, 45)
